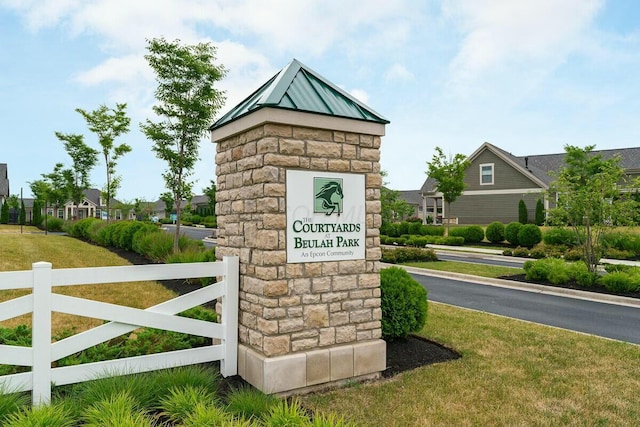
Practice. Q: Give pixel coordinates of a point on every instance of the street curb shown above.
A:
(527, 287)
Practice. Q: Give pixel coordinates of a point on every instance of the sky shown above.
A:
(529, 76)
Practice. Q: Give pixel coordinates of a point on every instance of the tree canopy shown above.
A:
(449, 175)
(187, 101)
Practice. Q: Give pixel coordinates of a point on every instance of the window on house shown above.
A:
(486, 174)
(61, 213)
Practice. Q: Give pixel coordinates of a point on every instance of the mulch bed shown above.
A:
(571, 285)
(402, 354)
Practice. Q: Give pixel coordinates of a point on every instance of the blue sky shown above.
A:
(527, 76)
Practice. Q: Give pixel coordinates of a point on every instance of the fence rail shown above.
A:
(122, 319)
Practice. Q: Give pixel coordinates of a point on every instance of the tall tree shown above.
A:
(83, 159)
(588, 189)
(36, 219)
(210, 192)
(14, 208)
(187, 103)
(108, 124)
(523, 212)
(449, 175)
(539, 216)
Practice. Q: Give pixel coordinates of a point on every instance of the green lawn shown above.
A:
(511, 373)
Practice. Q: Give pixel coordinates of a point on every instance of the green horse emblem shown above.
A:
(329, 196)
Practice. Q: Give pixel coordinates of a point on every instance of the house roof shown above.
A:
(297, 87)
(4, 180)
(539, 167)
(412, 197)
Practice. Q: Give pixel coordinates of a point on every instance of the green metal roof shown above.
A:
(298, 88)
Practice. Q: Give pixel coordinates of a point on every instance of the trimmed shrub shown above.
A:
(80, 228)
(432, 230)
(507, 252)
(523, 214)
(404, 303)
(400, 255)
(449, 241)
(529, 235)
(511, 232)
(403, 228)
(472, 234)
(415, 228)
(559, 236)
(495, 232)
(418, 241)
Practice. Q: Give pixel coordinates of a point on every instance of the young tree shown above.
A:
(523, 213)
(167, 198)
(83, 159)
(36, 219)
(449, 175)
(187, 102)
(539, 217)
(4, 213)
(108, 124)
(22, 216)
(587, 187)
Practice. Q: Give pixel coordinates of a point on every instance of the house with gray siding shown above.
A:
(497, 180)
(4, 183)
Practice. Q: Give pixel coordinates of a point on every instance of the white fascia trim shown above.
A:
(490, 192)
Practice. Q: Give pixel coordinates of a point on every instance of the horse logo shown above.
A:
(328, 195)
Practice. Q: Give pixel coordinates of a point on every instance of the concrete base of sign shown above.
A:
(303, 370)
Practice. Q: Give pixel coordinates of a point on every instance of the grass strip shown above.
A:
(483, 270)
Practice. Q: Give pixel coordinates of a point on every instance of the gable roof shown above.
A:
(297, 87)
(539, 167)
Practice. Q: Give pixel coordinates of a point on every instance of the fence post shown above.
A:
(229, 364)
(41, 333)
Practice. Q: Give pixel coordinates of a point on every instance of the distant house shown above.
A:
(413, 199)
(4, 183)
(496, 180)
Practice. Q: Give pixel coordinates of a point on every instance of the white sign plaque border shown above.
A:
(336, 234)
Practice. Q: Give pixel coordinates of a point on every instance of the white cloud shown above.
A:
(498, 34)
(398, 72)
(360, 95)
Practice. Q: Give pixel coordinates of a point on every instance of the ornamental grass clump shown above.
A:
(404, 303)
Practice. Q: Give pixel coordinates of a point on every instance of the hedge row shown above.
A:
(421, 241)
(619, 278)
(143, 238)
(402, 228)
(400, 255)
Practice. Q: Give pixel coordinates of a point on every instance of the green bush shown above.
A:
(573, 254)
(418, 241)
(210, 221)
(559, 272)
(432, 230)
(449, 241)
(495, 232)
(538, 253)
(614, 253)
(521, 252)
(403, 228)
(472, 234)
(400, 255)
(559, 236)
(529, 235)
(620, 282)
(54, 224)
(507, 252)
(622, 241)
(404, 303)
(415, 228)
(81, 228)
(511, 232)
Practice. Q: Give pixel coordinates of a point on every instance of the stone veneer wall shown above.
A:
(287, 308)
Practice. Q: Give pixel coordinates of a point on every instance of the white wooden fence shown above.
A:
(42, 302)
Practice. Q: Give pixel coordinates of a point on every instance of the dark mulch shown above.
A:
(402, 354)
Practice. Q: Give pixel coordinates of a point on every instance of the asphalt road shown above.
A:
(602, 319)
(195, 233)
(480, 259)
